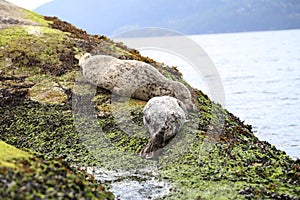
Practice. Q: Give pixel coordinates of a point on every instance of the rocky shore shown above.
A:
(52, 121)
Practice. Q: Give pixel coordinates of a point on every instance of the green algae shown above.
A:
(8, 153)
(35, 18)
(37, 178)
(41, 58)
(208, 169)
(24, 175)
(43, 128)
(222, 170)
(22, 55)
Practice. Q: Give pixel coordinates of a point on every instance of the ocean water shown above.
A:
(260, 73)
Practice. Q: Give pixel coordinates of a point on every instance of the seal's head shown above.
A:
(154, 148)
(183, 94)
(82, 57)
(163, 117)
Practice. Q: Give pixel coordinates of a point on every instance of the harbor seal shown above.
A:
(163, 117)
(131, 78)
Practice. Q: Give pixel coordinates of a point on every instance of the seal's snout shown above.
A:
(82, 57)
(156, 143)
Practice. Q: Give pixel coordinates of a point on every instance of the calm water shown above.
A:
(261, 78)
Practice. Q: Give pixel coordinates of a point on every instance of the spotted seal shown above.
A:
(163, 117)
(131, 78)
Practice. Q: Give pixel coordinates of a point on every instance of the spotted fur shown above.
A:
(163, 117)
(131, 78)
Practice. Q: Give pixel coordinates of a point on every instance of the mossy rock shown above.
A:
(49, 108)
(25, 176)
(8, 153)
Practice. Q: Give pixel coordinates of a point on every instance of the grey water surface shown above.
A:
(135, 185)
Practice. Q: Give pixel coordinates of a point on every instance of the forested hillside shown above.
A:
(187, 16)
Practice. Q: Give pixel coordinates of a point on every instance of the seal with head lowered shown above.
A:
(131, 78)
(163, 117)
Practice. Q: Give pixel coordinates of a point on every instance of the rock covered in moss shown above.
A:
(37, 178)
(45, 107)
(13, 16)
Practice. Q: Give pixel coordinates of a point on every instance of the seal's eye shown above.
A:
(87, 55)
